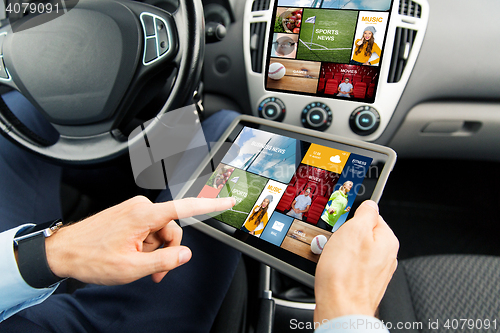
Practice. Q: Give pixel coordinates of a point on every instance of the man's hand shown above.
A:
(356, 265)
(127, 242)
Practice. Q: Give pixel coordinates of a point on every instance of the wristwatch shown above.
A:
(31, 256)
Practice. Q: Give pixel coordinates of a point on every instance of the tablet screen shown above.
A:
(327, 48)
(291, 193)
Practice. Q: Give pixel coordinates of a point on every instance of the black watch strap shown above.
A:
(32, 262)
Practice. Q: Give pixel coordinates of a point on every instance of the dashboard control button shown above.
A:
(272, 108)
(150, 52)
(222, 64)
(364, 120)
(163, 42)
(149, 25)
(214, 32)
(317, 116)
(158, 37)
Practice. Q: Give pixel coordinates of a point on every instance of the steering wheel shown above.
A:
(87, 68)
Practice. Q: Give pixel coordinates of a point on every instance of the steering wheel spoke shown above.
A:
(5, 76)
(160, 42)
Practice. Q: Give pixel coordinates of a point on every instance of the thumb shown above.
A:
(162, 260)
(367, 213)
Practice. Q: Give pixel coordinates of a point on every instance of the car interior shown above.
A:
(432, 98)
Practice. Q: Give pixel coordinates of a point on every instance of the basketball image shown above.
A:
(276, 71)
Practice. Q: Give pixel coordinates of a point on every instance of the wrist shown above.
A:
(328, 312)
(57, 257)
(31, 255)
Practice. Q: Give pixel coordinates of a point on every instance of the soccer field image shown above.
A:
(327, 35)
(245, 187)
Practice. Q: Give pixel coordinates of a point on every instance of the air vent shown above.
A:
(410, 8)
(257, 38)
(403, 43)
(260, 5)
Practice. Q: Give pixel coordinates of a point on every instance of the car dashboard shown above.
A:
(434, 97)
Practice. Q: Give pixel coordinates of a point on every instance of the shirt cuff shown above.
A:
(353, 324)
(15, 293)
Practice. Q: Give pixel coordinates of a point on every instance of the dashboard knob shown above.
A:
(317, 116)
(364, 120)
(272, 108)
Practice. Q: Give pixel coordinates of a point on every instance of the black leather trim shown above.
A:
(397, 304)
(192, 50)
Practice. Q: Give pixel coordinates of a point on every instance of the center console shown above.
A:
(294, 72)
(337, 66)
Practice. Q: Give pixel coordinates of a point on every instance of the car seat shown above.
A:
(291, 193)
(441, 289)
(371, 90)
(321, 84)
(316, 209)
(331, 87)
(367, 79)
(357, 78)
(359, 90)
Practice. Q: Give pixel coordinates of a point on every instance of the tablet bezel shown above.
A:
(302, 269)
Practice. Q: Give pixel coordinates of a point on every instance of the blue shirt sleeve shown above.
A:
(15, 293)
(353, 324)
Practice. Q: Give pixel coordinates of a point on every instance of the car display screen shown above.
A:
(289, 192)
(327, 48)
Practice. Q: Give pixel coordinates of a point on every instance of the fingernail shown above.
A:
(372, 204)
(184, 256)
(232, 200)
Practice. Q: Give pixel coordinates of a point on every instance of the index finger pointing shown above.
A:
(179, 209)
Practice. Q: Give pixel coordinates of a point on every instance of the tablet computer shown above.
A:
(293, 188)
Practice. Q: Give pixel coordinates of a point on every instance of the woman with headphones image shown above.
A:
(258, 218)
(365, 47)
